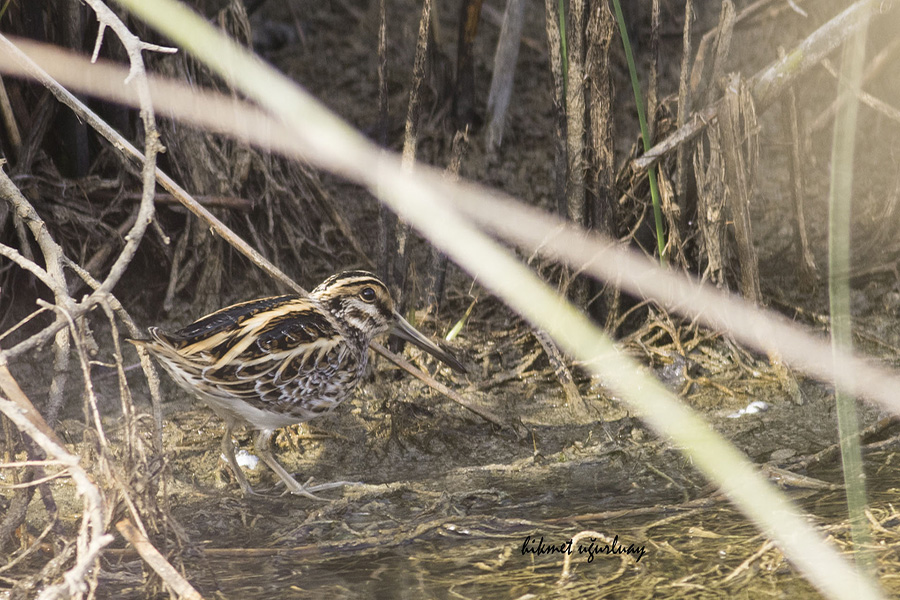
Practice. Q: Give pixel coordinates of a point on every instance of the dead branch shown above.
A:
(137, 73)
(791, 119)
(178, 584)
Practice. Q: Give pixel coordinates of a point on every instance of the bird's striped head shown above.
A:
(363, 305)
(359, 301)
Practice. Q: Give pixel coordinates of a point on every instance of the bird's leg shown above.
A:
(228, 451)
(262, 446)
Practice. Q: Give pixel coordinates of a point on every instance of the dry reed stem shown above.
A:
(601, 184)
(709, 173)
(396, 248)
(554, 42)
(791, 121)
(722, 49)
(740, 137)
(575, 113)
(9, 121)
(653, 79)
(684, 104)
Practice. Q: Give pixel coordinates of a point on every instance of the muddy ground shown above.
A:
(448, 505)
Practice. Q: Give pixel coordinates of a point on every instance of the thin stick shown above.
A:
(178, 584)
(576, 403)
(133, 47)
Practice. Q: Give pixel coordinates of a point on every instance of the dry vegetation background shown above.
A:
(103, 461)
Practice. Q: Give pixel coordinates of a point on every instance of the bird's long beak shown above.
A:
(404, 330)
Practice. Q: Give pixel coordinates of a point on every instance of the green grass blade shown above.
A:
(645, 133)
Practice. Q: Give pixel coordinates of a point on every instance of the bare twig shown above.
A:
(745, 566)
(52, 277)
(178, 584)
(135, 332)
(26, 264)
(90, 396)
(866, 98)
(133, 47)
(442, 389)
(874, 67)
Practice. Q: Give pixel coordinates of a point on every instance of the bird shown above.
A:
(282, 360)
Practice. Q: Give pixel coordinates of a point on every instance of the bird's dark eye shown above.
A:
(367, 294)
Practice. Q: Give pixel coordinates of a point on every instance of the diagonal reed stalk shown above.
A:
(420, 198)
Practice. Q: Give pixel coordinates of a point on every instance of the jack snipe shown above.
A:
(278, 361)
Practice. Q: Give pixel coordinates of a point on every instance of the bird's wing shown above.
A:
(224, 320)
(264, 329)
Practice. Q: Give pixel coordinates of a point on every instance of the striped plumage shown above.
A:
(278, 361)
